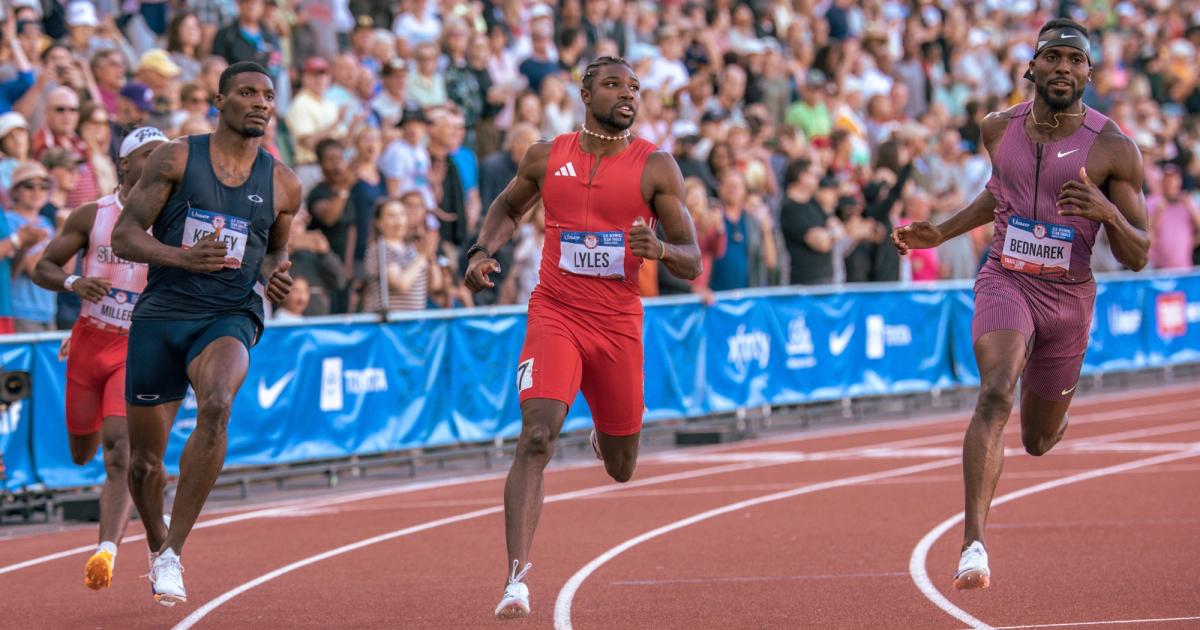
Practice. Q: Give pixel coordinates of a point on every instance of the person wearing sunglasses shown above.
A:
(32, 306)
(59, 131)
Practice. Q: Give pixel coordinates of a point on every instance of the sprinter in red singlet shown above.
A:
(1061, 171)
(109, 287)
(603, 192)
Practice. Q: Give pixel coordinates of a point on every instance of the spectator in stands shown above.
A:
(311, 119)
(809, 231)
(185, 38)
(14, 149)
(393, 99)
(405, 163)
(109, 71)
(427, 85)
(296, 302)
(369, 187)
(924, 263)
(445, 178)
(710, 234)
(62, 118)
(32, 306)
(62, 167)
(1174, 223)
(96, 131)
(333, 213)
(750, 240)
(398, 275)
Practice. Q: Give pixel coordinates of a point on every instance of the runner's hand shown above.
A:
(91, 289)
(64, 349)
(206, 256)
(280, 283)
(642, 241)
(1084, 199)
(919, 235)
(478, 270)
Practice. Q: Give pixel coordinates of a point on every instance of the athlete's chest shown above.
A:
(585, 191)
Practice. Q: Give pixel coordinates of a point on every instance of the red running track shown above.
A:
(824, 529)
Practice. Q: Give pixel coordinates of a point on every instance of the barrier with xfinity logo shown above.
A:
(354, 386)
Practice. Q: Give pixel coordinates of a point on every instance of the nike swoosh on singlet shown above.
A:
(1062, 154)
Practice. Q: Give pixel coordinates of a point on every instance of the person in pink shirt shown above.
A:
(925, 266)
(1174, 223)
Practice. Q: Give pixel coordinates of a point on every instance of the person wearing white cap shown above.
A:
(98, 343)
(14, 149)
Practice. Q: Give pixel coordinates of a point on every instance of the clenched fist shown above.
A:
(642, 241)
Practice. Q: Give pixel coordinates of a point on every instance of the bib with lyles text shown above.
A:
(233, 231)
(1037, 248)
(599, 254)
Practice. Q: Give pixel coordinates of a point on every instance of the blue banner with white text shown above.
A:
(335, 390)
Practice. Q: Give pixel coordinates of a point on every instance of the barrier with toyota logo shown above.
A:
(354, 386)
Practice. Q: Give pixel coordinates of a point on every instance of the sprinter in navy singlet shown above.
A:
(211, 216)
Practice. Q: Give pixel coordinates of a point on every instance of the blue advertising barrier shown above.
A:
(356, 386)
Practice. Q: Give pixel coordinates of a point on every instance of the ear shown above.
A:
(219, 102)
(1029, 72)
(585, 96)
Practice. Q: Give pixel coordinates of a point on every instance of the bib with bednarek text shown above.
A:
(599, 254)
(233, 231)
(1037, 248)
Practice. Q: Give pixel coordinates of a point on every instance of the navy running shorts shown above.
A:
(160, 351)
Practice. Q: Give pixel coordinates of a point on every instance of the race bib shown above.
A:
(599, 254)
(233, 231)
(1036, 248)
(116, 308)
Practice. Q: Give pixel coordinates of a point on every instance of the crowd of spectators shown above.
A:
(806, 129)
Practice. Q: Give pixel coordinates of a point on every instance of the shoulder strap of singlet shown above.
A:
(1094, 120)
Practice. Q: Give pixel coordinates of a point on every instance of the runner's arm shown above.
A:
(163, 170)
(680, 253)
(287, 195)
(979, 212)
(1120, 206)
(515, 200)
(72, 239)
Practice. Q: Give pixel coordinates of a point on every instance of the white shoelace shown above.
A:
(515, 577)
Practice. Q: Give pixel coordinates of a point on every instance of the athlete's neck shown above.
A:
(614, 141)
(1048, 122)
(226, 141)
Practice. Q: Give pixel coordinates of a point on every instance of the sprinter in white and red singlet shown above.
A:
(109, 288)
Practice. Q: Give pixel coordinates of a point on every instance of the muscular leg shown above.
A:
(115, 502)
(83, 447)
(620, 454)
(541, 420)
(149, 428)
(1043, 422)
(1001, 356)
(216, 375)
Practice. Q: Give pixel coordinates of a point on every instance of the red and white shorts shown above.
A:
(95, 377)
(566, 351)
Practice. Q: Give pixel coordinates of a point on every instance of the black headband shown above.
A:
(1066, 36)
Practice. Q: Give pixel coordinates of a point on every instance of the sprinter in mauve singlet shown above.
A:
(1061, 171)
(109, 288)
(603, 192)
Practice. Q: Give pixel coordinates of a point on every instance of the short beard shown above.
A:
(612, 122)
(248, 132)
(1055, 103)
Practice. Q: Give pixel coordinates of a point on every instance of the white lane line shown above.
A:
(1099, 623)
(203, 611)
(562, 606)
(916, 563)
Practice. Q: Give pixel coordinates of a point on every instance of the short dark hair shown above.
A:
(592, 69)
(240, 67)
(795, 170)
(1058, 23)
(325, 145)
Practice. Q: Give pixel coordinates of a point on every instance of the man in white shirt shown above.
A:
(405, 162)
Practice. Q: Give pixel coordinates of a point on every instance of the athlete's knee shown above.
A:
(537, 442)
(996, 397)
(144, 466)
(1038, 443)
(116, 456)
(81, 457)
(213, 409)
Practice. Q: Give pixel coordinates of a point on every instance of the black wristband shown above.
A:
(477, 248)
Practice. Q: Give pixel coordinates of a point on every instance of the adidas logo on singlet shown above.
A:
(567, 170)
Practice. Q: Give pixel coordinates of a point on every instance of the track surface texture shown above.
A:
(854, 527)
